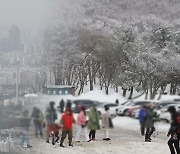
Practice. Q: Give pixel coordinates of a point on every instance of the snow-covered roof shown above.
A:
(58, 86)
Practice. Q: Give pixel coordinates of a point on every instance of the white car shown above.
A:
(123, 108)
(165, 115)
(135, 114)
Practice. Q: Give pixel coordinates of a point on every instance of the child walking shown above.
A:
(82, 125)
(67, 121)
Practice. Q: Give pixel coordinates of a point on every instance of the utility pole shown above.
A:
(17, 84)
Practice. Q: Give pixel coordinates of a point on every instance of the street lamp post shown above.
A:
(17, 82)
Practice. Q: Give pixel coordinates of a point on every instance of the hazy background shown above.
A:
(29, 15)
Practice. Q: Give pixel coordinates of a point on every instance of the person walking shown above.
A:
(117, 101)
(93, 122)
(61, 105)
(24, 127)
(82, 125)
(38, 118)
(149, 123)
(69, 104)
(51, 116)
(173, 142)
(142, 119)
(106, 123)
(67, 121)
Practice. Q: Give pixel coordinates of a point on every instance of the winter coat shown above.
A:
(81, 119)
(93, 122)
(174, 125)
(41, 117)
(24, 122)
(67, 121)
(38, 116)
(105, 121)
(61, 104)
(50, 115)
(149, 123)
(142, 115)
(69, 104)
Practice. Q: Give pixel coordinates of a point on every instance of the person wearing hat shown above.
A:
(82, 125)
(149, 122)
(106, 123)
(50, 116)
(93, 122)
(67, 121)
(173, 142)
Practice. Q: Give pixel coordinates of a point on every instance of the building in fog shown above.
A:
(12, 43)
(4, 45)
(14, 38)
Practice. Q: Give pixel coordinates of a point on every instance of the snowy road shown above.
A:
(125, 139)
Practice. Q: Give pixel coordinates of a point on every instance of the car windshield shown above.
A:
(130, 104)
(141, 103)
(126, 103)
(111, 105)
(167, 106)
(161, 105)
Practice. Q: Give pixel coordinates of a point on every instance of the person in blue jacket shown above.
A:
(142, 119)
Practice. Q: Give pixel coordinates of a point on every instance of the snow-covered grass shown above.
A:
(99, 95)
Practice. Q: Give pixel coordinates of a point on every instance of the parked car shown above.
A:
(112, 109)
(128, 109)
(138, 105)
(165, 103)
(122, 109)
(165, 115)
(135, 113)
(76, 105)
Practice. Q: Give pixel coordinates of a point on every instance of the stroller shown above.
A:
(54, 132)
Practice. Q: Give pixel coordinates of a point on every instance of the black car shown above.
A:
(76, 105)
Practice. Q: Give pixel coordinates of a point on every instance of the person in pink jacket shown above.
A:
(82, 125)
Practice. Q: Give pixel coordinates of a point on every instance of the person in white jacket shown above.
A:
(106, 123)
(82, 125)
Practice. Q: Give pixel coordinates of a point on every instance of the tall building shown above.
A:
(14, 38)
(4, 45)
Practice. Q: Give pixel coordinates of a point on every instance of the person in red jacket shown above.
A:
(67, 121)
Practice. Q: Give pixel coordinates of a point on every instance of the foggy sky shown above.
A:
(30, 14)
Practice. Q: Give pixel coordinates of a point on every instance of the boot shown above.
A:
(70, 144)
(29, 146)
(147, 140)
(61, 145)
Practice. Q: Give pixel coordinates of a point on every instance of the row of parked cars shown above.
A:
(76, 106)
(129, 108)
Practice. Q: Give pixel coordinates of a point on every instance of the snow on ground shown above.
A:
(125, 139)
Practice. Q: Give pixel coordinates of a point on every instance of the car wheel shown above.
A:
(125, 113)
(167, 121)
